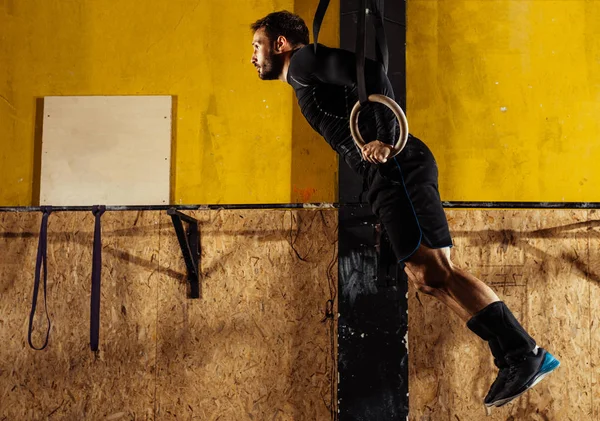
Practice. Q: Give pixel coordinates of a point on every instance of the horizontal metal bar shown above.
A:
(522, 205)
(316, 206)
(182, 207)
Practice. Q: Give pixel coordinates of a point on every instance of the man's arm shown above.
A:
(338, 67)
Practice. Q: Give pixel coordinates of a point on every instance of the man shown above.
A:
(402, 191)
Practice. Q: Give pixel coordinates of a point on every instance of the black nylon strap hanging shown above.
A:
(383, 55)
(361, 40)
(96, 276)
(318, 20)
(40, 261)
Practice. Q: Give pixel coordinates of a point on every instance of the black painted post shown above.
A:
(373, 322)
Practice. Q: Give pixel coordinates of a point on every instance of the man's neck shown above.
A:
(286, 63)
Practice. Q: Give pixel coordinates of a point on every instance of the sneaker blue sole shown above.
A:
(548, 366)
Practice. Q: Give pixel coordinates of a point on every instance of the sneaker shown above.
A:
(498, 384)
(524, 372)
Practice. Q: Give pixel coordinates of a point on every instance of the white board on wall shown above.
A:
(106, 150)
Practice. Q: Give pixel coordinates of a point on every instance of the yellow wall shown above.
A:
(507, 94)
(233, 132)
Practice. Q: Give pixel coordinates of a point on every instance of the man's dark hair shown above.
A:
(283, 23)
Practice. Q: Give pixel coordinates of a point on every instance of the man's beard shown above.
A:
(272, 67)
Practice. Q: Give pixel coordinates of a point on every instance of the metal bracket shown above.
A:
(189, 240)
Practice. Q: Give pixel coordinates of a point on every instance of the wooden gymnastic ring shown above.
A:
(400, 116)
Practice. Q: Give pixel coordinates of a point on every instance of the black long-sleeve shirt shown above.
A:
(326, 89)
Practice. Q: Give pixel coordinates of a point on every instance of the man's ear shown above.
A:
(280, 43)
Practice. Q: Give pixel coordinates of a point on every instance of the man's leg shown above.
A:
(441, 296)
(522, 364)
(433, 273)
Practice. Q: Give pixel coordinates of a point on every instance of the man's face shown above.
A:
(268, 63)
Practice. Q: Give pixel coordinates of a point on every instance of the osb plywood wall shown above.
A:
(254, 347)
(545, 265)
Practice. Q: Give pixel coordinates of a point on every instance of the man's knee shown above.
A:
(431, 288)
(430, 270)
(429, 279)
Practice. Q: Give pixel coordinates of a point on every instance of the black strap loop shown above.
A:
(40, 261)
(361, 41)
(361, 38)
(96, 277)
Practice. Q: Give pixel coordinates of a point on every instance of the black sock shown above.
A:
(497, 322)
(499, 357)
(484, 333)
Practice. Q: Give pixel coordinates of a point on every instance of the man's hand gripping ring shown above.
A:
(392, 105)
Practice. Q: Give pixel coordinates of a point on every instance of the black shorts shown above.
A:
(404, 195)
